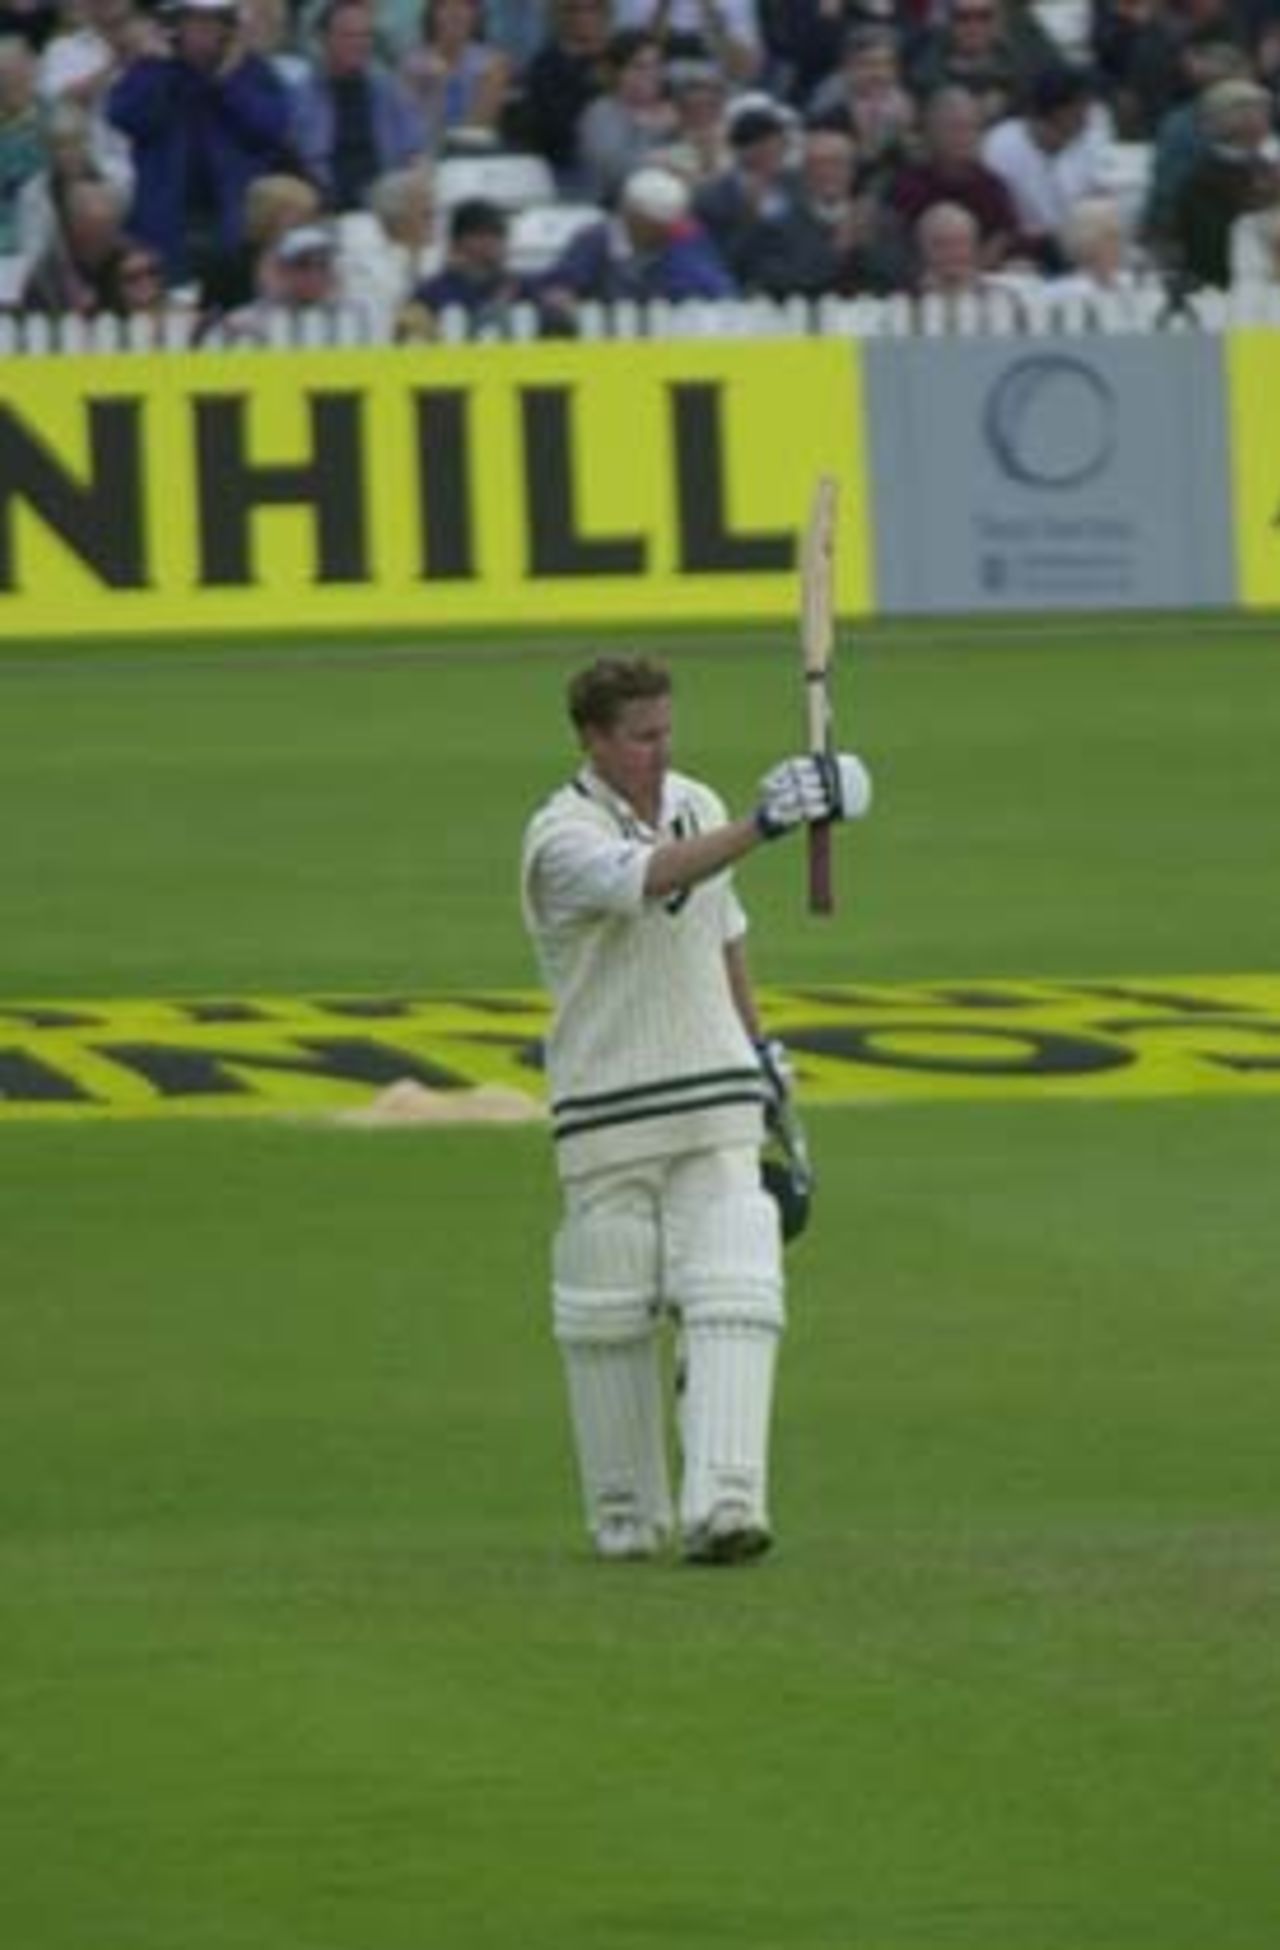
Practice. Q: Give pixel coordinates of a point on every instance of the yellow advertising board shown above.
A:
(1253, 393)
(428, 486)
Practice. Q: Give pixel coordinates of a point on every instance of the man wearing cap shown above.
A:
(475, 278)
(203, 120)
(296, 272)
(653, 248)
(748, 204)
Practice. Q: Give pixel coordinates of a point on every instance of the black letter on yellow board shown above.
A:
(103, 519)
(555, 547)
(706, 545)
(444, 472)
(331, 481)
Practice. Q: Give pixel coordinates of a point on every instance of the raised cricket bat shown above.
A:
(817, 645)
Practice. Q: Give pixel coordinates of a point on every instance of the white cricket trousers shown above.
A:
(698, 1237)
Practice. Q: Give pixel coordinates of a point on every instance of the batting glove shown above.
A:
(812, 790)
(775, 1068)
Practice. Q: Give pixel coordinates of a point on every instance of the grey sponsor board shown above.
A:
(1049, 473)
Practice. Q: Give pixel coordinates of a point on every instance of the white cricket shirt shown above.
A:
(647, 1055)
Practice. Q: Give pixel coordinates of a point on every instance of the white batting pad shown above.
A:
(606, 1321)
(728, 1401)
(616, 1407)
(724, 1271)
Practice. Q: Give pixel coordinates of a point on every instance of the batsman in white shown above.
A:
(658, 1079)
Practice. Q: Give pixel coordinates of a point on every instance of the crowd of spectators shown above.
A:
(237, 156)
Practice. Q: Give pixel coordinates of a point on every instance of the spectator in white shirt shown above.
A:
(1050, 157)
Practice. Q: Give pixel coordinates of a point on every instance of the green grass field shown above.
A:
(302, 1649)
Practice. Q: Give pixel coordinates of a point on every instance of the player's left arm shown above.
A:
(741, 987)
(772, 1056)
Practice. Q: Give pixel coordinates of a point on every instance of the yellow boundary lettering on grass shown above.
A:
(254, 1055)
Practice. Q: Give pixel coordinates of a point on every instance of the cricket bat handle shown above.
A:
(821, 895)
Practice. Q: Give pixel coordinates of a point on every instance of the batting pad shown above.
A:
(725, 1272)
(606, 1322)
(728, 1404)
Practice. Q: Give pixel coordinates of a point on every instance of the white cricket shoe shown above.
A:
(628, 1539)
(730, 1534)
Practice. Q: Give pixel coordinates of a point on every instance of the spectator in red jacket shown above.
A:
(951, 170)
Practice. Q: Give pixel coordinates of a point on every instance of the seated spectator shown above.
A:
(567, 72)
(1235, 175)
(1136, 48)
(948, 248)
(273, 204)
(76, 271)
(866, 96)
(382, 260)
(353, 120)
(22, 149)
(203, 120)
(950, 169)
(816, 227)
(980, 46)
(137, 292)
(475, 278)
(864, 241)
(1098, 247)
(458, 77)
(724, 31)
(69, 158)
(1180, 138)
(1050, 157)
(628, 121)
(297, 273)
(699, 145)
(652, 248)
(745, 208)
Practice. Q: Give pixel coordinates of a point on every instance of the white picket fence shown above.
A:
(1010, 310)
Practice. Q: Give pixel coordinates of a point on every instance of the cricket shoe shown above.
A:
(628, 1539)
(730, 1534)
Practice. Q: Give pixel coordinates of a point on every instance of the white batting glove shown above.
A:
(811, 790)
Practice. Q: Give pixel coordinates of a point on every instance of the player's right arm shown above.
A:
(577, 866)
(805, 791)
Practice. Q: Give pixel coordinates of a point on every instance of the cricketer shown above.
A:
(659, 1080)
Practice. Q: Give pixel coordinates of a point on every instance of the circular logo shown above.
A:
(1050, 422)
